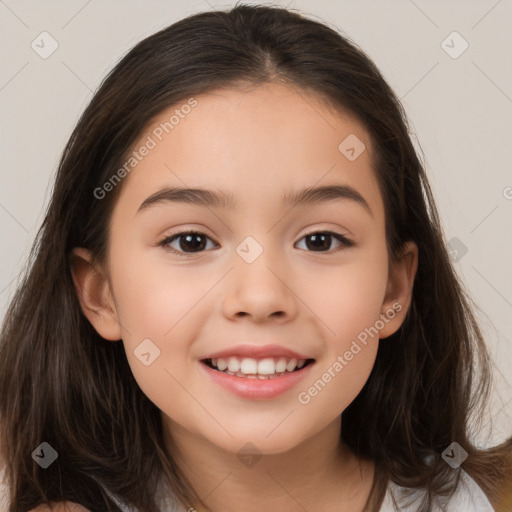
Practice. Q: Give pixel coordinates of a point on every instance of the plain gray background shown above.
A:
(460, 111)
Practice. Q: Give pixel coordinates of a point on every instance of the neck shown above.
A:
(319, 474)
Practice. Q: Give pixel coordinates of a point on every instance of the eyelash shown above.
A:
(168, 239)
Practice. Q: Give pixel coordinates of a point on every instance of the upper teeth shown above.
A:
(267, 366)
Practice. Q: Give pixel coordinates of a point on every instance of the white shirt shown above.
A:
(467, 498)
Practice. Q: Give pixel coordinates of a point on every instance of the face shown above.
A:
(260, 284)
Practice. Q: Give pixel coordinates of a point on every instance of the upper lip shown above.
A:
(256, 351)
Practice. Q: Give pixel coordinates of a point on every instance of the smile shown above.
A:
(256, 378)
(252, 368)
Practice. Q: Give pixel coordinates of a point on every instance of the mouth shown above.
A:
(257, 368)
(256, 372)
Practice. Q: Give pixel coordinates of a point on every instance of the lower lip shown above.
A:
(257, 389)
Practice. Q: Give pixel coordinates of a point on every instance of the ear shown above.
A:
(399, 290)
(93, 291)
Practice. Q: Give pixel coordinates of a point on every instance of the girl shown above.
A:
(240, 297)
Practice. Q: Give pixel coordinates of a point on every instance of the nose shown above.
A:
(261, 291)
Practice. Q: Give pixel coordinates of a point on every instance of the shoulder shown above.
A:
(67, 506)
(468, 496)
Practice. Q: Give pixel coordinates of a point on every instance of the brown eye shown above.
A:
(189, 242)
(321, 241)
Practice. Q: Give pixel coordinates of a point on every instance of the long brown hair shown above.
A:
(61, 383)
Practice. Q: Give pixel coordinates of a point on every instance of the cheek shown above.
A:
(334, 386)
(161, 311)
(348, 299)
(348, 302)
(349, 356)
(153, 297)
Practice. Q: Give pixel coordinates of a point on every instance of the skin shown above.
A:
(256, 143)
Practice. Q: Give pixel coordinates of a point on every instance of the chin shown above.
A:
(260, 440)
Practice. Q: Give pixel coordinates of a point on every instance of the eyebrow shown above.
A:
(226, 200)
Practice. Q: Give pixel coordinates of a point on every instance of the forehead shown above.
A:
(257, 143)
